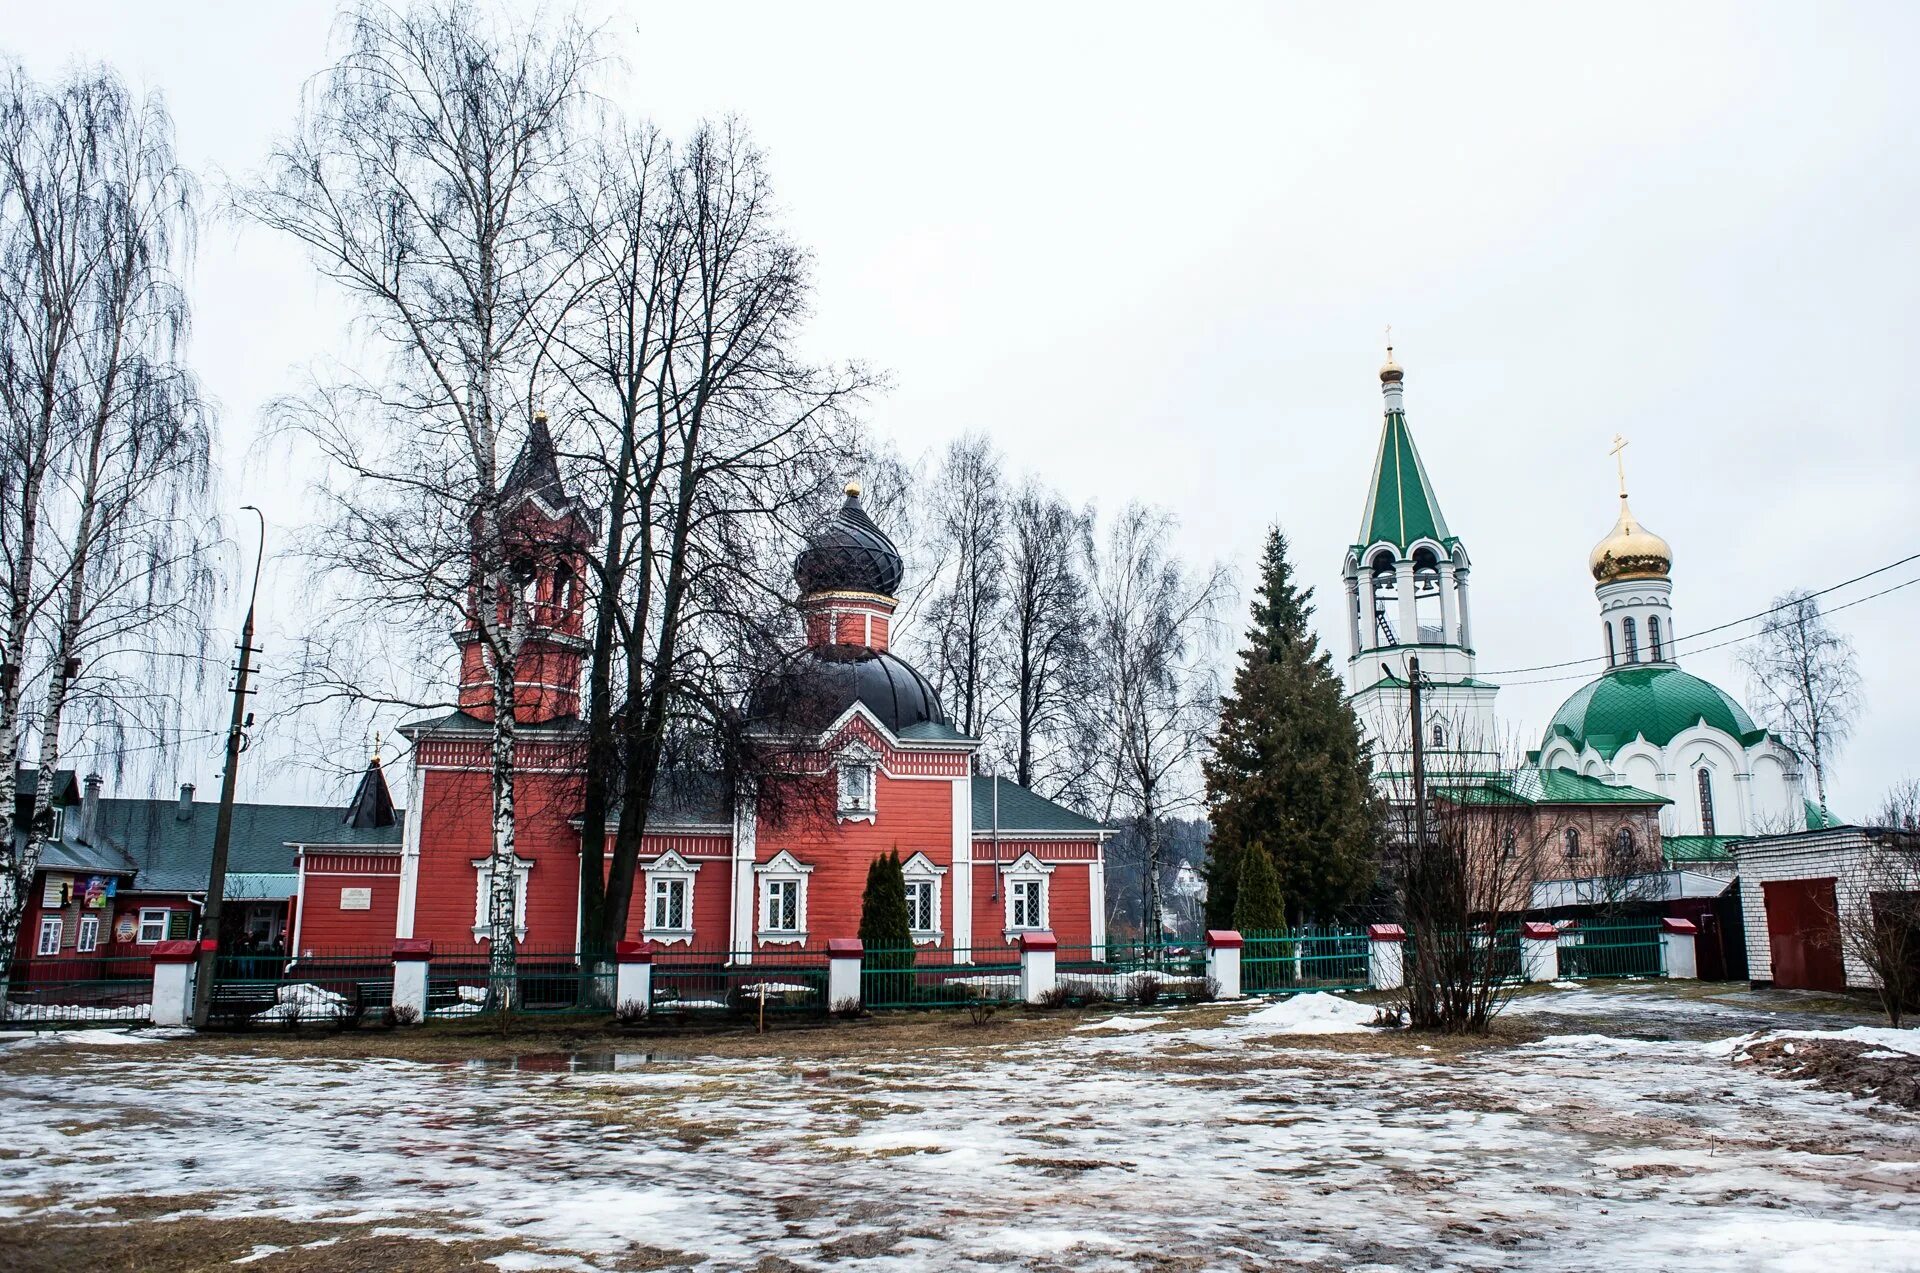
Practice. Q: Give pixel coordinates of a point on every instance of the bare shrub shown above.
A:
(847, 1009)
(980, 1011)
(403, 1014)
(1146, 990)
(631, 1012)
(1059, 996)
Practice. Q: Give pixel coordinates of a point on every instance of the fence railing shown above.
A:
(706, 984)
(1626, 949)
(70, 993)
(1474, 953)
(928, 977)
(338, 988)
(1282, 961)
(1133, 972)
(542, 982)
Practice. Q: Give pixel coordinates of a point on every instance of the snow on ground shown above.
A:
(1309, 1014)
(1222, 1144)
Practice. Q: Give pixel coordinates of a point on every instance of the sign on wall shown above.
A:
(356, 899)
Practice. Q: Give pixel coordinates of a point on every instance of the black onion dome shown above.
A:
(849, 554)
(814, 686)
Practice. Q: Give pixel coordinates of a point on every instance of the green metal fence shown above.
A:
(1284, 961)
(705, 984)
(1133, 972)
(334, 987)
(550, 982)
(1627, 948)
(1476, 954)
(928, 977)
(68, 994)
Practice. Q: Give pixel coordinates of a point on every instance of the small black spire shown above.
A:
(537, 470)
(372, 805)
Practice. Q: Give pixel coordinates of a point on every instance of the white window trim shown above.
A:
(153, 915)
(50, 926)
(920, 869)
(782, 867)
(1023, 868)
(482, 869)
(670, 866)
(59, 822)
(857, 757)
(87, 938)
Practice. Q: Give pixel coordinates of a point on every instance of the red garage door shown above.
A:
(1804, 930)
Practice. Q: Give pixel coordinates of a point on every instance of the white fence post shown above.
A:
(411, 956)
(1386, 957)
(633, 977)
(843, 972)
(1037, 955)
(1539, 952)
(173, 981)
(1223, 962)
(1677, 938)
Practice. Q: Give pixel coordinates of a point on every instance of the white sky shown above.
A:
(1151, 249)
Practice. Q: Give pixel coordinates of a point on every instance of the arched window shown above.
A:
(1705, 780)
(1653, 638)
(1572, 837)
(1632, 636)
(1439, 736)
(563, 583)
(1613, 658)
(1623, 843)
(1507, 849)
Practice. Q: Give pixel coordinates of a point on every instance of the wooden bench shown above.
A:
(235, 1003)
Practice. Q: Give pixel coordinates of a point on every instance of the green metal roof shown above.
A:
(1818, 821)
(1548, 786)
(1401, 506)
(1655, 703)
(934, 731)
(1698, 848)
(1022, 810)
(173, 848)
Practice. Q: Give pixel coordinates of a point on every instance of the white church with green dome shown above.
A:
(1642, 726)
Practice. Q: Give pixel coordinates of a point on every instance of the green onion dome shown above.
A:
(1655, 703)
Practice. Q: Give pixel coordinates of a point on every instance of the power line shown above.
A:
(1721, 627)
(1721, 645)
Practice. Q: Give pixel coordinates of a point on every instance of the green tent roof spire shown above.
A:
(1401, 506)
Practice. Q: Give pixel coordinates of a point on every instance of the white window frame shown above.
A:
(920, 872)
(51, 927)
(1022, 871)
(153, 915)
(782, 869)
(59, 822)
(482, 872)
(857, 785)
(666, 870)
(87, 939)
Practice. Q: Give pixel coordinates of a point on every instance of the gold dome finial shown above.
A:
(853, 490)
(1390, 372)
(539, 417)
(1630, 550)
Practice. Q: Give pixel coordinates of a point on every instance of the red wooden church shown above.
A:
(985, 860)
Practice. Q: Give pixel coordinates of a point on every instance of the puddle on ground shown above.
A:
(562, 1062)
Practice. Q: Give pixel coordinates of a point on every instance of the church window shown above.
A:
(1653, 638)
(1632, 636)
(1704, 778)
(49, 935)
(780, 906)
(1613, 658)
(856, 789)
(1572, 838)
(1439, 736)
(1623, 842)
(1507, 846)
(563, 587)
(483, 898)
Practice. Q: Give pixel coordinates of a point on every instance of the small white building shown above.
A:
(1798, 891)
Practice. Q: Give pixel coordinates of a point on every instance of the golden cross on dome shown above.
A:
(1619, 462)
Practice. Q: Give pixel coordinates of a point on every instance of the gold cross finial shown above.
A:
(1389, 341)
(1619, 462)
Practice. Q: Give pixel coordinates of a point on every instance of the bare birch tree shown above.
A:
(106, 437)
(1156, 694)
(1806, 678)
(1048, 653)
(423, 177)
(966, 617)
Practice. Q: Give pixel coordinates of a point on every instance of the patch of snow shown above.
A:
(304, 1001)
(78, 1012)
(1316, 1013)
(1905, 1042)
(1123, 1024)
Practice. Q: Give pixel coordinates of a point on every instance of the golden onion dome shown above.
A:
(1390, 372)
(1630, 551)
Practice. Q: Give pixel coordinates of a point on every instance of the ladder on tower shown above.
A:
(1386, 629)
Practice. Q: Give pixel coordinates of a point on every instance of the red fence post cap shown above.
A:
(1534, 930)
(632, 952)
(405, 948)
(1224, 939)
(1675, 925)
(177, 951)
(845, 948)
(1039, 941)
(1386, 932)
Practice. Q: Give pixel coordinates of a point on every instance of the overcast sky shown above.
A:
(1151, 251)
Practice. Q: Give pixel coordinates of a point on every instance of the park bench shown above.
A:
(235, 1003)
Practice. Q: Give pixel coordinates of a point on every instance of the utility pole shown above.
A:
(223, 825)
(1419, 756)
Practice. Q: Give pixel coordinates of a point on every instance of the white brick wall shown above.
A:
(1812, 855)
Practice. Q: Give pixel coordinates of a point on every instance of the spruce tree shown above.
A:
(886, 929)
(1258, 906)
(1290, 769)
